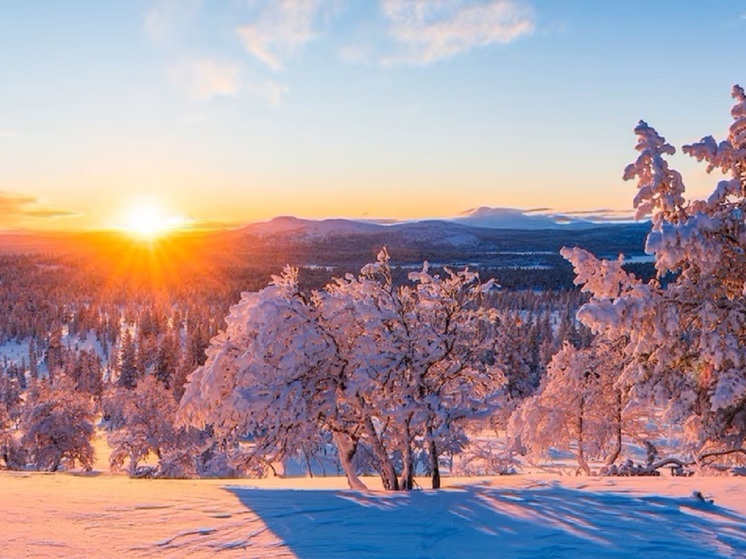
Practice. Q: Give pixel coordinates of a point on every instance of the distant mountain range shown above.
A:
(480, 235)
(483, 217)
(480, 230)
(522, 248)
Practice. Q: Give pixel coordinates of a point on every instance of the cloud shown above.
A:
(50, 213)
(18, 209)
(167, 19)
(595, 215)
(602, 214)
(204, 78)
(273, 32)
(281, 27)
(14, 202)
(427, 31)
(211, 224)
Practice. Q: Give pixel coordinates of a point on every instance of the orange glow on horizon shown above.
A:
(160, 266)
(146, 220)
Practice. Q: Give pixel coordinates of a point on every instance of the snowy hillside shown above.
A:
(313, 228)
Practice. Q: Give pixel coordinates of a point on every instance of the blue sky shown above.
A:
(238, 110)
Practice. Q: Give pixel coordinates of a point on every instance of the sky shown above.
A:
(219, 112)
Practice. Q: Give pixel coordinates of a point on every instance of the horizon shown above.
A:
(209, 115)
(483, 216)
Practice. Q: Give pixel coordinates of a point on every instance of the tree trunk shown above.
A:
(434, 464)
(665, 462)
(582, 464)
(386, 468)
(617, 450)
(309, 469)
(407, 476)
(406, 481)
(346, 449)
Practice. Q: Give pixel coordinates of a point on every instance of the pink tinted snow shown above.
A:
(535, 516)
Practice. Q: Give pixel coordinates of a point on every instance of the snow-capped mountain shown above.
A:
(511, 218)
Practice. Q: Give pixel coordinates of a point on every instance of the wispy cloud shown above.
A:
(170, 23)
(273, 32)
(280, 28)
(10, 202)
(17, 209)
(50, 213)
(276, 29)
(211, 224)
(167, 19)
(204, 78)
(427, 31)
(595, 215)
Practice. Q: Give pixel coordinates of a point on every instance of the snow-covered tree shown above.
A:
(128, 371)
(167, 360)
(517, 353)
(57, 424)
(423, 354)
(10, 397)
(686, 329)
(10, 449)
(579, 407)
(274, 374)
(391, 368)
(85, 370)
(148, 427)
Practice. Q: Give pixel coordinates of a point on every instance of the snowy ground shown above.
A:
(541, 515)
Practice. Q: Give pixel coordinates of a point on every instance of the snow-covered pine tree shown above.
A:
(84, 369)
(686, 329)
(128, 367)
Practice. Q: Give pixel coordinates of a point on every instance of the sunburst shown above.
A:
(147, 221)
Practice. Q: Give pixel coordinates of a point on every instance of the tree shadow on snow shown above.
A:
(483, 521)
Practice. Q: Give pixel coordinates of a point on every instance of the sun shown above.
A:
(148, 221)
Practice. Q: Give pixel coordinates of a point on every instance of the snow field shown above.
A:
(538, 516)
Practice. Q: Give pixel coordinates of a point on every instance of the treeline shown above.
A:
(73, 335)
